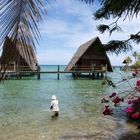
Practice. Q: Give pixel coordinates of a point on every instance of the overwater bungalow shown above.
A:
(13, 58)
(90, 58)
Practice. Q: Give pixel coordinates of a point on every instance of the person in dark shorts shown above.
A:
(54, 107)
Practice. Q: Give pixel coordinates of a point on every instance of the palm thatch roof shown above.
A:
(98, 54)
(14, 52)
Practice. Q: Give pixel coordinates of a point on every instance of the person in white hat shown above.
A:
(54, 106)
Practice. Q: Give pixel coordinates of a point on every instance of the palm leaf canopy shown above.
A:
(18, 21)
(118, 8)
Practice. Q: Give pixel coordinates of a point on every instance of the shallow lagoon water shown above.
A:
(25, 114)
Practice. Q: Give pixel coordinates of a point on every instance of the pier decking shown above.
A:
(77, 72)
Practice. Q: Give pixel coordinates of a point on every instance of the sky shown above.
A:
(69, 24)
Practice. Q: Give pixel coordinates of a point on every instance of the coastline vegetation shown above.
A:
(131, 63)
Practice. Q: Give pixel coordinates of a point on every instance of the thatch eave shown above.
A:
(14, 52)
(82, 50)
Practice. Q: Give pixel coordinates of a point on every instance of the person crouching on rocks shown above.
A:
(54, 107)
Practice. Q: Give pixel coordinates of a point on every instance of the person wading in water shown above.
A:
(54, 107)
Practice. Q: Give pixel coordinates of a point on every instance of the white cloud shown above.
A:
(53, 27)
(54, 57)
(69, 24)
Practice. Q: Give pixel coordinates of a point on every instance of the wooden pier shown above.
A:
(76, 72)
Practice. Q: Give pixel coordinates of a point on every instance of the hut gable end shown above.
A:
(88, 54)
(15, 54)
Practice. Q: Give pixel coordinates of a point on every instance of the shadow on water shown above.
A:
(130, 136)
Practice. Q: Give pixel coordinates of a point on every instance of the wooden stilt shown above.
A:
(106, 71)
(58, 72)
(76, 71)
(97, 74)
(93, 75)
(102, 75)
(38, 74)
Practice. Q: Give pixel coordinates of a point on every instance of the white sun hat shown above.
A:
(53, 97)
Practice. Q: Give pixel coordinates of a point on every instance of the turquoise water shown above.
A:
(25, 114)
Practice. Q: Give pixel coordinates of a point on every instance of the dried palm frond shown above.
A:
(18, 21)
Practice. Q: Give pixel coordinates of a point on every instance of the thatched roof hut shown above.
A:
(88, 54)
(15, 56)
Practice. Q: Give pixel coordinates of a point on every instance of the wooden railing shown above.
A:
(20, 71)
(98, 68)
(21, 68)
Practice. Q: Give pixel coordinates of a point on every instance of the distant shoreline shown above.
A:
(66, 65)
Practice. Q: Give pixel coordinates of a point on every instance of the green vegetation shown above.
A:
(116, 10)
(128, 60)
(136, 65)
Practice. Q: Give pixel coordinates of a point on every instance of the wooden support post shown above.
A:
(38, 73)
(75, 71)
(97, 74)
(93, 71)
(102, 75)
(105, 71)
(17, 75)
(93, 67)
(14, 66)
(73, 75)
(58, 72)
(93, 75)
